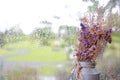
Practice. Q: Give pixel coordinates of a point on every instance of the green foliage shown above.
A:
(2, 41)
(94, 7)
(111, 4)
(68, 34)
(43, 35)
(116, 36)
(112, 19)
(14, 34)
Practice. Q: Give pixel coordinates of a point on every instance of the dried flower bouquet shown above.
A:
(93, 38)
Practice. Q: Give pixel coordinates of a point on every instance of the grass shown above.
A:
(5, 52)
(116, 38)
(47, 70)
(52, 70)
(21, 73)
(38, 53)
(112, 50)
(46, 54)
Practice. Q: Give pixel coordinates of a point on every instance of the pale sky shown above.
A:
(28, 13)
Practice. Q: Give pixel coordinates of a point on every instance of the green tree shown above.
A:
(14, 34)
(43, 35)
(113, 19)
(111, 4)
(2, 42)
(68, 33)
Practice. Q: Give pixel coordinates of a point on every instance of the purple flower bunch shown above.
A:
(91, 41)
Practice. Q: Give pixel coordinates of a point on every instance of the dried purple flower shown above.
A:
(83, 26)
(92, 39)
(110, 30)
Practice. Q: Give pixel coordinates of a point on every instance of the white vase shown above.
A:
(89, 72)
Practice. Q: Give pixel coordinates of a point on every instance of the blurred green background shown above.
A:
(45, 55)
